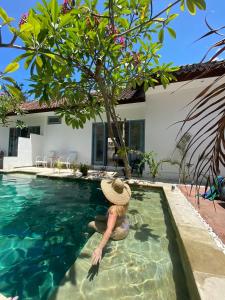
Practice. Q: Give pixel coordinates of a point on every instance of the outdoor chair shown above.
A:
(72, 156)
(52, 158)
(135, 163)
(41, 161)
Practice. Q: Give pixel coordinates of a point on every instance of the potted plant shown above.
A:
(84, 169)
(150, 159)
(58, 165)
(74, 167)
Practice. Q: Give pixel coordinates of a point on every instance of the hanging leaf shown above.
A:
(161, 35)
(191, 7)
(9, 79)
(12, 67)
(200, 4)
(172, 17)
(172, 32)
(28, 62)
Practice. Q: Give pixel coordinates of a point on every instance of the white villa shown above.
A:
(149, 125)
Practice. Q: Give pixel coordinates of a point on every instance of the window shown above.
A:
(15, 133)
(54, 120)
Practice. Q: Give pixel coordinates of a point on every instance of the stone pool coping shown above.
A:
(203, 261)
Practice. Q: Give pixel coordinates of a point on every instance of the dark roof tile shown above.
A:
(186, 72)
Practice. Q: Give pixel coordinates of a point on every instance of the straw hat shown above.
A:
(116, 191)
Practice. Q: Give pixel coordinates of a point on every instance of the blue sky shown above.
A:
(181, 51)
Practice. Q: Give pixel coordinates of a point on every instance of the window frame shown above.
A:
(54, 123)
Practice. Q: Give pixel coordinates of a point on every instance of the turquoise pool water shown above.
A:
(43, 227)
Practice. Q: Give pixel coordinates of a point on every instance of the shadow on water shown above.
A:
(137, 195)
(133, 212)
(143, 232)
(41, 239)
(178, 272)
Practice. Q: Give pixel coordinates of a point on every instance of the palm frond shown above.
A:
(207, 145)
(206, 119)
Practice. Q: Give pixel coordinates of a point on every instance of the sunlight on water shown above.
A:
(43, 226)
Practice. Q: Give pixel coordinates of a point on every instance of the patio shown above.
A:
(215, 217)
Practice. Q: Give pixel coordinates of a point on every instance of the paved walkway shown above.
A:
(214, 216)
(63, 173)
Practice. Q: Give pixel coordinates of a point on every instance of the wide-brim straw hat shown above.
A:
(116, 191)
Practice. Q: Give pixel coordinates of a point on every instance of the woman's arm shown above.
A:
(97, 254)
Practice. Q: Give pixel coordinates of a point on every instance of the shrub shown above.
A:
(84, 169)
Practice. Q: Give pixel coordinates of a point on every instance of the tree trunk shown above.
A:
(113, 118)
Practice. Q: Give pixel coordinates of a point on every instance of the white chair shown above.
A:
(52, 158)
(72, 156)
(41, 161)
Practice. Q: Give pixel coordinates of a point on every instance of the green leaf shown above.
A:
(54, 10)
(55, 57)
(14, 91)
(9, 79)
(18, 58)
(28, 62)
(35, 24)
(172, 32)
(200, 4)
(161, 35)
(39, 61)
(26, 27)
(65, 19)
(3, 15)
(168, 9)
(12, 67)
(191, 7)
(172, 17)
(182, 5)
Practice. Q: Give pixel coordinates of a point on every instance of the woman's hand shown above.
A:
(97, 256)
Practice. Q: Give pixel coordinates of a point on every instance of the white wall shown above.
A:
(24, 157)
(160, 111)
(28, 150)
(4, 139)
(163, 109)
(63, 139)
(36, 146)
(10, 162)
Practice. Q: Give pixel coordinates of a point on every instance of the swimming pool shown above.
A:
(43, 227)
(146, 265)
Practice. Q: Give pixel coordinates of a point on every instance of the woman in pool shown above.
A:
(115, 224)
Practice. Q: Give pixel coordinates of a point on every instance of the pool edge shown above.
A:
(202, 260)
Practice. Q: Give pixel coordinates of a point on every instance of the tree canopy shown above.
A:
(78, 52)
(85, 54)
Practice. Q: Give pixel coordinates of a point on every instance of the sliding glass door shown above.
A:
(135, 135)
(103, 149)
(99, 144)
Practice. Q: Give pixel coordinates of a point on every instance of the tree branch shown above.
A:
(148, 21)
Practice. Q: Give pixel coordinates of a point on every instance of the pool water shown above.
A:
(146, 265)
(43, 227)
